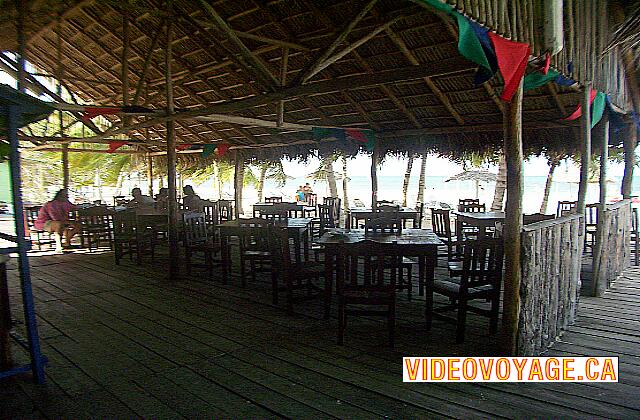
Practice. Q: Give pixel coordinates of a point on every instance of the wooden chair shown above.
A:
(197, 241)
(278, 211)
(469, 232)
(273, 199)
(225, 211)
(254, 247)
(311, 208)
(364, 279)
(417, 222)
(287, 275)
(441, 224)
(129, 238)
(211, 217)
(566, 207)
(591, 223)
(463, 202)
(481, 278)
(324, 221)
(96, 224)
(528, 219)
(335, 204)
(41, 237)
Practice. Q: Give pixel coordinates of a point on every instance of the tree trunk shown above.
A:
(263, 175)
(421, 181)
(547, 186)
(501, 185)
(331, 177)
(407, 178)
(345, 182)
(239, 183)
(216, 179)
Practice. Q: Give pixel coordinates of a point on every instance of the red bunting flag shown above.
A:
(221, 149)
(547, 63)
(183, 146)
(512, 61)
(115, 145)
(578, 112)
(91, 112)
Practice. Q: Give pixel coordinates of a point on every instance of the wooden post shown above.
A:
(283, 82)
(150, 173)
(125, 63)
(60, 76)
(374, 177)
(599, 285)
(22, 45)
(630, 142)
(513, 221)
(172, 207)
(238, 183)
(585, 148)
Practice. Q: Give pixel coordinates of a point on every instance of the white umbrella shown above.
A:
(477, 176)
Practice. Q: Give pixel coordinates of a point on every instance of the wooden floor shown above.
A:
(123, 342)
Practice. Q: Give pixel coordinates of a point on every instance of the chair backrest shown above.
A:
(211, 216)
(482, 263)
(441, 223)
(225, 210)
(591, 214)
(325, 214)
(380, 224)
(467, 201)
(95, 217)
(368, 265)
(277, 211)
(254, 234)
(391, 209)
(566, 207)
(473, 208)
(195, 228)
(420, 215)
(278, 241)
(312, 199)
(385, 202)
(124, 224)
(634, 219)
(273, 199)
(527, 219)
(32, 214)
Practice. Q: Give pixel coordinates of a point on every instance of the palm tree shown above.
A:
(421, 180)
(326, 173)
(345, 183)
(266, 170)
(501, 184)
(553, 164)
(407, 178)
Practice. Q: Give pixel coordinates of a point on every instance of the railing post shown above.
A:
(599, 284)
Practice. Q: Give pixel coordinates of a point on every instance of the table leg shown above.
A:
(296, 244)
(421, 274)
(328, 282)
(225, 254)
(305, 244)
(430, 263)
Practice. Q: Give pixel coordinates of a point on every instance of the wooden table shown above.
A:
(356, 214)
(421, 243)
(481, 220)
(297, 227)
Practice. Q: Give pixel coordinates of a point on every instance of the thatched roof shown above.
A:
(420, 95)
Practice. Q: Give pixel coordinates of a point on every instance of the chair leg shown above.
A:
(341, 322)
(243, 279)
(409, 283)
(392, 323)
(289, 284)
(462, 320)
(494, 314)
(429, 304)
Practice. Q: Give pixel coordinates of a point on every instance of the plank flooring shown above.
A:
(124, 342)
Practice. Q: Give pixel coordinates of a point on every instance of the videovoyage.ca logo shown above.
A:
(510, 369)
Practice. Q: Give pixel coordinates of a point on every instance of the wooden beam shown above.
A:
(448, 66)
(147, 65)
(374, 177)
(513, 221)
(630, 142)
(283, 82)
(69, 12)
(263, 72)
(471, 129)
(334, 58)
(65, 148)
(585, 148)
(172, 207)
(325, 53)
(414, 61)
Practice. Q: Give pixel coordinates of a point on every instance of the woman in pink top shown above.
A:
(53, 217)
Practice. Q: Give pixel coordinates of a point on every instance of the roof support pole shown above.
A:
(238, 183)
(374, 177)
(630, 142)
(125, 62)
(599, 285)
(585, 148)
(513, 220)
(150, 173)
(172, 207)
(60, 76)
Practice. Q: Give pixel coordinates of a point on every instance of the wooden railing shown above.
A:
(612, 252)
(550, 284)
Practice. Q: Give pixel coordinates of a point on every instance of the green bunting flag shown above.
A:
(597, 109)
(320, 133)
(537, 79)
(207, 149)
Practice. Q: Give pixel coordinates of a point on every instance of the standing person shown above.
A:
(53, 217)
(191, 201)
(140, 200)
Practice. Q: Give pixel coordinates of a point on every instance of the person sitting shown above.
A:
(140, 200)
(191, 201)
(162, 199)
(53, 217)
(306, 190)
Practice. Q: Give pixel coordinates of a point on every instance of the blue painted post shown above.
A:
(37, 361)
